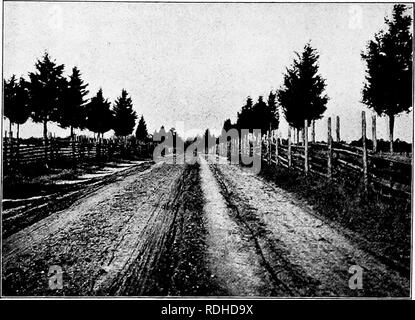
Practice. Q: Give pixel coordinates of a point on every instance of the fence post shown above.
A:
(276, 146)
(72, 142)
(5, 150)
(45, 145)
(374, 139)
(313, 131)
(337, 128)
(365, 180)
(302, 136)
(330, 151)
(269, 145)
(306, 146)
(289, 147)
(247, 146)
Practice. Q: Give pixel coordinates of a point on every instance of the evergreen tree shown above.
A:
(9, 98)
(227, 125)
(46, 88)
(73, 113)
(244, 117)
(124, 115)
(16, 102)
(99, 117)
(388, 87)
(260, 116)
(141, 132)
(302, 94)
(209, 140)
(161, 132)
(273, 110)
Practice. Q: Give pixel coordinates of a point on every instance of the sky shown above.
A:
(191, 65)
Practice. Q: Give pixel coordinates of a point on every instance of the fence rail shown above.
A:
(55, 151)
(387, 175)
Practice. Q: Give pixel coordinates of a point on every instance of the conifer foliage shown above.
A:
(99, 116)
(72, 113)
(141, 132)
(46, 88)
(124, 115)
(388, 57)
(302, 93)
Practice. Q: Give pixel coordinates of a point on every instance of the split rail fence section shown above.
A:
(333, 159)
(57, 151)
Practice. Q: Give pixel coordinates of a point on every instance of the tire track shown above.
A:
(307, 254)
(232, 257)
(96, 239)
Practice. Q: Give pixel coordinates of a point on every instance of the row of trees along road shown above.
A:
(301, 97)
(387, 90)
(49, 96)
(388, 57)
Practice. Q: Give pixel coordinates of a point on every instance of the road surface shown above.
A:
(199, 230)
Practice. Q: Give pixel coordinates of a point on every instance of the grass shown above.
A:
(384, 223)
(38, 179)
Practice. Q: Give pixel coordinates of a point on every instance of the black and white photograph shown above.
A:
(252, 150)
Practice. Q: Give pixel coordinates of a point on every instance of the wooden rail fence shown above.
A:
(333, 159)
(58, 151)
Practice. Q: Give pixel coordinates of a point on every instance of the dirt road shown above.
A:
(190, 230)
(300, 253)
(96, 239)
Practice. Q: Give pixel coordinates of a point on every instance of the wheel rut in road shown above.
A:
(307, 256)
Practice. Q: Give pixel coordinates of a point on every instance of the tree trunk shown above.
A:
(73, 146)
(391, 127)
(45, 132)
(45, 140)
(10, 129)
(297, 133)
(17, 143)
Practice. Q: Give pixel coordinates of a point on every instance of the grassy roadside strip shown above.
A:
(62, 199)
(384, 226)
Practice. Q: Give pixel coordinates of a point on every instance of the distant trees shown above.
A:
(99, 116)
(46, 88)
(9, 98)
(124, 115)
(260, 118)
(301, 97)
(388, 87)
(302, 93)
(259, 115)
(141, 132)
(72, 112)
(274, 115)
(208, 140)
(244, 117)
(49, 96)
(16, 102)
(227, 125)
